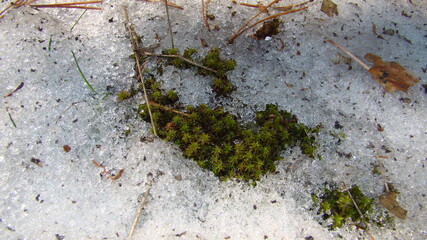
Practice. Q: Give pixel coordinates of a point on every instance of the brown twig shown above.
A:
(349, 54)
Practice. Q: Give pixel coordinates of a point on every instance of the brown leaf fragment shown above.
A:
(37, 161)
(329, 7)
(119, 174)
(391, 75)
(388, 200)
(67, 148)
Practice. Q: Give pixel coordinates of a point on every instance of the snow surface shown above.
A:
(69, 198)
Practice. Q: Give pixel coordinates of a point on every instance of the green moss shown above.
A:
(177, 62)
(338, 206)
(217, 141)
(220, 85)
(122, 95)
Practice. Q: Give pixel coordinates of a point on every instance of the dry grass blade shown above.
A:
(135, 45)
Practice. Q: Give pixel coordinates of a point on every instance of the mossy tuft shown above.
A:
(220, 85)
(338, 205)
(217, 141)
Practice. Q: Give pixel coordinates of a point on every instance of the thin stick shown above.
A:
(169, 23)
(350, 54)
(135, 45)
(256, 15)
(168, 109)
(81, 73)
(178, 56)
(141, 207)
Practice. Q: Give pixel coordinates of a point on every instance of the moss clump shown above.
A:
(123, 95)
(156, 94)
(217, 141)
(177, 62)
(221, 85)
(338, 206)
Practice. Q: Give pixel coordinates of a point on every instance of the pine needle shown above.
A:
(68, 5)
(176, 56)
(78, 19)
(11, 119)
(169, 23)
(141, 206)
(271, 17)
(81, 73)
(168, 109)
(238, 32)
(349, 54)
(135, 46)
(205, 13)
